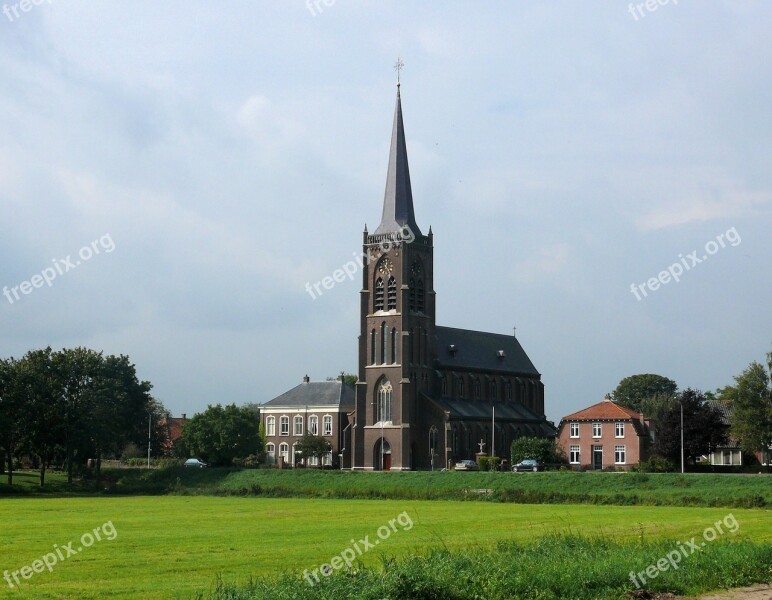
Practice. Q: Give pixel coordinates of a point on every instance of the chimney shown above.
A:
(342, 377)
(184, 416)
(306, 379)
(607, 398)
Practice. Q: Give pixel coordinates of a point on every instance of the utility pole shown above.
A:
(149, 422)
(682, 436)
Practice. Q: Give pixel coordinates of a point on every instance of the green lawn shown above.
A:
(177, 545)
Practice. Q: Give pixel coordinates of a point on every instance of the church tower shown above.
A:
(397, 331)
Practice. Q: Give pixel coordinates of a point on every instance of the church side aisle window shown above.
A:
(383, 343)
(393, 346)
(373, 359)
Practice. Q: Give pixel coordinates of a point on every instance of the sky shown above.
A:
(173, 174)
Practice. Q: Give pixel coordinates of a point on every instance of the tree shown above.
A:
(218, 435)
(314, 446)
(541, 449)
(12, 413)
(751, 402)
(348, 378)
(633, 390)
(703, 428)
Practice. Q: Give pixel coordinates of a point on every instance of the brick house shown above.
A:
(604, 435)
(314, 407)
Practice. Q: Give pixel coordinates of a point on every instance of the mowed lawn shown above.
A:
(174, 546)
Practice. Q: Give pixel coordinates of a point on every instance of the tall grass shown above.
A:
(530, 488)
(561, 566)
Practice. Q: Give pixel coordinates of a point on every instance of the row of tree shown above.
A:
(65, 407)
(748, 402)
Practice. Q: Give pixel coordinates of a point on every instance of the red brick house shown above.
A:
(604, 435)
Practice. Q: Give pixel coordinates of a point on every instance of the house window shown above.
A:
(574, 430)
(619, 430)
(270, 449)
(327, 460)
(573, 455)
(619, 455)
(298, 425)
(327, 424)
(270, 426)
(313, 461)
(392, 291)
(379, 294)
(284, 451)
(596, 430)
(313, 425)
(284, 426)
(384, 403)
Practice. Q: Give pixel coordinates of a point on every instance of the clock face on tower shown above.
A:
(386, 267)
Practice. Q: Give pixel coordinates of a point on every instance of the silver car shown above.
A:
(194, 462)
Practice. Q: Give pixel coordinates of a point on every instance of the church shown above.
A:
(428, 395)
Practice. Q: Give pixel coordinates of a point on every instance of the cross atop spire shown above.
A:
(398, 66)
(398, 199)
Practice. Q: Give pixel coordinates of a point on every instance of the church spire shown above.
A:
(398, 199)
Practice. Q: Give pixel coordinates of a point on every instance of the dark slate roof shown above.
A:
(315, 393)
(470, 410)
(398, 198)
(723, 409)
(480, 350)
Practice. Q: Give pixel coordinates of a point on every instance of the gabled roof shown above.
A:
(722, 409)
(604, 410)
(466, 349)
(315, 393)
(398, 198)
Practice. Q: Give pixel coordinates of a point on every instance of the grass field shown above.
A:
(175, 546)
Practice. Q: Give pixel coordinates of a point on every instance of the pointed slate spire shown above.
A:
(398, 199)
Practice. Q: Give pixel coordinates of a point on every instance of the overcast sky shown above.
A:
(221, 156)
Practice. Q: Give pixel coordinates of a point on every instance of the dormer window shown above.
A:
(501, 354)
(452, 349)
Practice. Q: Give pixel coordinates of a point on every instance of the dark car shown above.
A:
(529, 464)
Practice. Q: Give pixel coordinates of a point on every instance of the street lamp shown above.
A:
(682, 436)
(149, 423)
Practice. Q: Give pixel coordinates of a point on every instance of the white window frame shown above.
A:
(313, 425)
(574, 450)
(573, 430)
(297, 425)
(284, 451)
(327, 459)
(327, 425)
(284, 425)
(597, 430)
(270, 426)
(619, 429)
(620, 455)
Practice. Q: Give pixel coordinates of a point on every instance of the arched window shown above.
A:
(393, 346)
(283, 425)
(298, 429)
(373, 360)
(270, 450)
(444, 386)
(284, 451)
(383, 343)
(492, 390)
(270, 426)
(383, 414)
(460, 387)
(327, 424)
(419, 292)
(433, 439)
(313, 425)
(509, 390)
(411, 357)
(392, 291)
(379, 294)
(476, 389)
(421, 348)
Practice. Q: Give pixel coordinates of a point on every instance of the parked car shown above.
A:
(529, 464)
(194, 462)
(467, 465)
